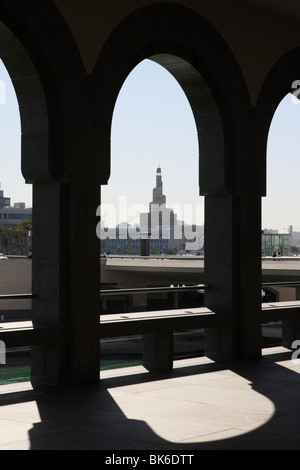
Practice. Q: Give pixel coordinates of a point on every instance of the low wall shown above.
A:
(15, 278)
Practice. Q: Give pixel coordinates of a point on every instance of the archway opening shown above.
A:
(25, 152)
(16, 195)
(15, 229)
(153, 127)
(280, 215)
(283, 193)
(163, 109)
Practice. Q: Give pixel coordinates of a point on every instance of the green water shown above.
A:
(110, 364)
(18, 374)
(11, 375)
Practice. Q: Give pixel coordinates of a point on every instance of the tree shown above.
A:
(14, 240)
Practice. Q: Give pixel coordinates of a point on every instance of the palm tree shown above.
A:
(4, 237)
(21, 235)
(13, 240)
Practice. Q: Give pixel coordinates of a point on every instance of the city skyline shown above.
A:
(153, 125)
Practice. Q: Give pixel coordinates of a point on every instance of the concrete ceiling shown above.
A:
(288, 7)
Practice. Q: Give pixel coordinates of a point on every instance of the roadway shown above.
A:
(137, 270)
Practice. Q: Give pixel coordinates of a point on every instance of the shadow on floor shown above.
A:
(89, 418)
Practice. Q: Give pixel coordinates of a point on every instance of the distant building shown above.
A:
(160, 223)
(272, 241)
(4, 201)
(159, 231)
(11, 216)
(121, 242)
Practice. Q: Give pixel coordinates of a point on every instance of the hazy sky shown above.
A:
(11, 179)
(153, 125)
(281, 208)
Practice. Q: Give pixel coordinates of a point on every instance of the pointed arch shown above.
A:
(34, 42)
(191, 49)
(281, 80)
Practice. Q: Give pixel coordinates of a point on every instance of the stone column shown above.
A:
(84, 284)
(66, 279)
(249, 279)
(233, 271)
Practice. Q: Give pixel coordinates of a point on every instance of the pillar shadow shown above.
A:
(88, 418)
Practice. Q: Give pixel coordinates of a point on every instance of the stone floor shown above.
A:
(199, 406)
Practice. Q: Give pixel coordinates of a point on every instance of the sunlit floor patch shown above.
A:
(196, 408)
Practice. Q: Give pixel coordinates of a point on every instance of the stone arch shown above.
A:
(34, 41)
(232, 168)
(278, 84)
(191, 49)
(52, 88)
